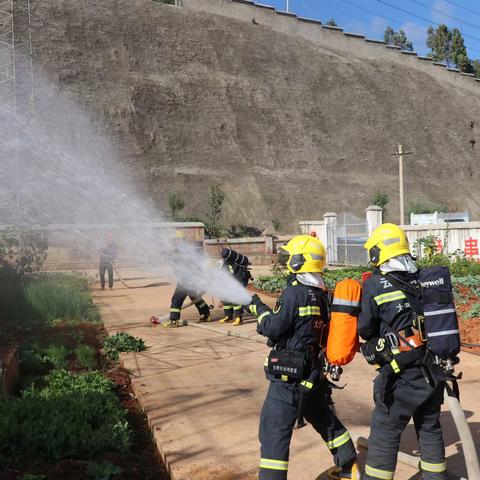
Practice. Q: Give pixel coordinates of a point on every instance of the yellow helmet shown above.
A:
(387, 241)
(307, 254)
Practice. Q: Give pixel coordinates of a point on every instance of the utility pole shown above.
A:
(400, 153)
(288, 6)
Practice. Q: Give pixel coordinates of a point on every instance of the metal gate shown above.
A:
(351, 233)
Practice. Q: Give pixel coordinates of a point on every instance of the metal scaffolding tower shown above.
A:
(16, 64)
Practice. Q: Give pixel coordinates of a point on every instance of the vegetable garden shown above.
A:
(74, 415)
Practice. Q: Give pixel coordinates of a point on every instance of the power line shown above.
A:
(348, 2)
(423, 18)
(461, 6)
(436, 10)
(382, 16)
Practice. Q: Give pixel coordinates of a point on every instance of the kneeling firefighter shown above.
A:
(296, 328)
(409, 322)
(181, 293)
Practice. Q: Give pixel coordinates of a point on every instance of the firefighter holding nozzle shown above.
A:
(409, 321)
(296, 329)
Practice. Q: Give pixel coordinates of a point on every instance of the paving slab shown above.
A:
(202, 388)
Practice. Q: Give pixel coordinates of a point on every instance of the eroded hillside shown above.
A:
(290, 129)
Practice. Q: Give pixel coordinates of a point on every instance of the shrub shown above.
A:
(239, 231)
(86, 356)
(213, 226)
(270, 283)
(122, 342)
(24, 250)
(73, 416)
(56, 355)
(175, 207)
(418, 206)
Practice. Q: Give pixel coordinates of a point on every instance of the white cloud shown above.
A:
(373, 28)
(444, 7)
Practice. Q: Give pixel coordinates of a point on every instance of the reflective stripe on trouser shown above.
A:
(279, 413)
(179, 297)
(237, 311)
(411, 397)
(228, 310)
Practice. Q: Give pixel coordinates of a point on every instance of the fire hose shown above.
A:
(155, 284)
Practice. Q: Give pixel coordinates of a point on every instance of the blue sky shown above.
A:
(370, 18)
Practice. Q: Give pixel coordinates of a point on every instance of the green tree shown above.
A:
(476, 68)
(213, 225)
(176, 206)
(439, 42)
(332, 23)
(458, 52)
(399, 39)
(448, 46)
(380, 199)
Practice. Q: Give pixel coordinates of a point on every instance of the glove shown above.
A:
(376, 352)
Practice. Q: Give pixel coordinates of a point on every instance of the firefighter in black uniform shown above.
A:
(179, 296)
(388, 323)
(295, 327)
(234, 313)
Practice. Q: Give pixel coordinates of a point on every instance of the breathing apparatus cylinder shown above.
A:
(232, 256)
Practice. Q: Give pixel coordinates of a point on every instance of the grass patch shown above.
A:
(61, 296)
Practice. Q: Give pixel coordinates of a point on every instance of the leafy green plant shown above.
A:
(61, 382)
(31, 476)
(270, 283)
(72, 416)
(87, 357)
(122, 342)
(56, 355)
(103, 470)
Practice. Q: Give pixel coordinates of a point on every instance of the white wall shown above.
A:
(450, 237)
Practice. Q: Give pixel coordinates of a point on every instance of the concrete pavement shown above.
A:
(202, 390)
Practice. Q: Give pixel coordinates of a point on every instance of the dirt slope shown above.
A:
(290, 129)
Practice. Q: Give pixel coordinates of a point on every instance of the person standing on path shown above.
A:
(108, 253)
